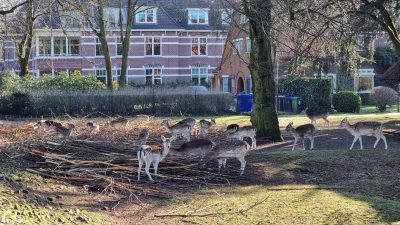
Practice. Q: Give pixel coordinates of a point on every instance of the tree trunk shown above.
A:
(264, 116)
(102, 35)
(126, 41)
(25, 45)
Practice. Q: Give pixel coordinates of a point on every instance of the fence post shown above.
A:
(153, 102)
(195, 102)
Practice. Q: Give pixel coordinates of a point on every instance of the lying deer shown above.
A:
(191, 122)
(48, 125)
(176, 130)
(236, 149)
(92, 128)
(302, 132)
(119, 123)
(143, 135)
(194, 149)
(315, 115)
(242, 132)
(65, 131)
(150, 155)
(205, 126)
(367, 128)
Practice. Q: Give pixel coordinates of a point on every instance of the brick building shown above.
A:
(171, 42)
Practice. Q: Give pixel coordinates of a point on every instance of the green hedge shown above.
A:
(315, 93)
(347, 102)
(16, 104)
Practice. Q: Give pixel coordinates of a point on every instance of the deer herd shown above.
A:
(239, 139)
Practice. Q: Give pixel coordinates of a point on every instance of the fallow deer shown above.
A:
(119, 123)
(301, 132)
(236, 149)
(198, 148)
(367, 128)
(315, 115)
(152, 155)
(92, 128)
(245, 131)
(205, 126)
(191, 122)
(176, 130)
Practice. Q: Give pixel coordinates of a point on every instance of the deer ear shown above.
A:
(162, 137)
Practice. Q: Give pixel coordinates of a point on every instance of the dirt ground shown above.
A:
(138, 209)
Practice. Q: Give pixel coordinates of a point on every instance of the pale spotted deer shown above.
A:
(176, 130)
(152, 155)
(236, 149)
(367, 128)
(198, 148)
(245, 131)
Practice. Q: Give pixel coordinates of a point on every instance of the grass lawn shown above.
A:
(301, 119)
(313, 187)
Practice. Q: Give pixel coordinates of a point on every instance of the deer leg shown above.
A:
(354, 141)
(224, 163)
(294, 144)
(327, 122)
(304, 146)
(312, 142)
(254, 143)
(360, 139)
(377, 141)
(139, 168)
(384, 140)
(220, 162)
(242, 165)
(155, 166)
(147, 169)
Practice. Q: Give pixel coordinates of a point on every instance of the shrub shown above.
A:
(17, 104)
(315, 93)
(382, 97)
(347, 102)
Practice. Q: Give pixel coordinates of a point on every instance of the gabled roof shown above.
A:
(393, 73)
(171, 14)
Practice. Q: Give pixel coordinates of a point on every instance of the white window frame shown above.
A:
(70, 46)
(154, 76)
(198, 45)
(248, 45)
(98, 45)
(238, 45)
(146, 13)
(193, 12)
(70, 19)
(63, 46)
(364, 73)
(152, 46)
(41, 46)
(101, 73)
(226, 78)
(116, 74)
(243, 19)
(118, 42)
(199, 75)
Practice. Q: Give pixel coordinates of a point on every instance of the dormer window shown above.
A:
(147, 15)
(198, 16)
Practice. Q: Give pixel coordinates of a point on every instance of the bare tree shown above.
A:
(11, 7)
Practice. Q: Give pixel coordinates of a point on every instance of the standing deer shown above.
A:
(367, 128)
(149, 155)
(205, 126)
(242, 132)
(195, 148)
(236, 149)
(191, 122)
(300, 133)
(315, 115)
(176, 130)
(119, 123)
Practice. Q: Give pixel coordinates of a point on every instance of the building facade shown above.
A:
(171, 42)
